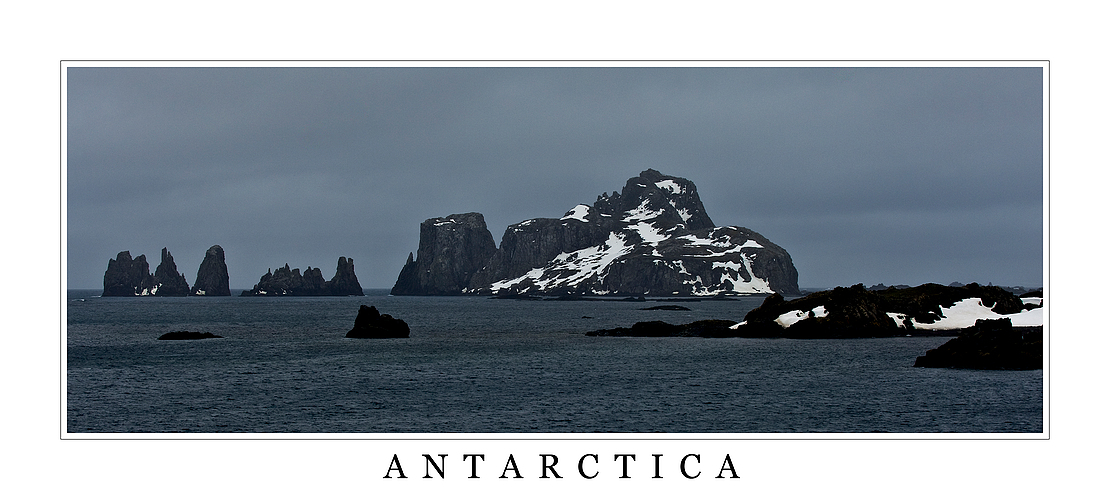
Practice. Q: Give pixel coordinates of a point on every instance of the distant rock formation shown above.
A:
(129, 278)
(345, 282)
(989, 345)
(167, 281)
(850, 312)
(185, 335)
(652, 238)
(285, 281)
(212, 278)
(713, 328)
(451, 250)
(369, 324)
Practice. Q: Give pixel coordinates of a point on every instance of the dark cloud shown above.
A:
(899, 175)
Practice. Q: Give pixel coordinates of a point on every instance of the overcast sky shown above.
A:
(864, 175)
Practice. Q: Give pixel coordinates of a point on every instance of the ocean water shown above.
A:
(478, 365)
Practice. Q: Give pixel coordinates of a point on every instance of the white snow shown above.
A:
(670, 186)
(641, 213)
(649, 233)
(579, 212)
(573, 268)
(1031, 300)
(963, 314)
(789, 318)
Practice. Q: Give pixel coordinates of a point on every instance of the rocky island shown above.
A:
(370, 324)
(856, 312)
(653, 238)
(187, 335)
(212, 279)
(127, 277)
(289, 282)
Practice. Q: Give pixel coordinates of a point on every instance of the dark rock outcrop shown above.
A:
(369, 324)
(666, 308)
(858, 312)
(167, 281)
(212, 278)
(852, 312)
(451, 250)
(713, 328)
(127, 277)
(344, 282)
(652, 238)
(989, 345)
(184, 335)
(285, 281)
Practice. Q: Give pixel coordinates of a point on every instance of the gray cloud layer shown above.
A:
(894, 175)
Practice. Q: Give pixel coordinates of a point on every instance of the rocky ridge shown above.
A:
(285, 281)
(653, 238)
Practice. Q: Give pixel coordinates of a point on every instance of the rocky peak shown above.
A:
(212, 278)
(654, 238)
(167, 281)
(127, 277)
(344, 282)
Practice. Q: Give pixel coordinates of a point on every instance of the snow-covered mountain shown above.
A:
(652, 238)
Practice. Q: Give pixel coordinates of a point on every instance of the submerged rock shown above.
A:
(666, 308)
(184, 335)
(212, 279)
(706, 328)
(369, 324)
(989, 345)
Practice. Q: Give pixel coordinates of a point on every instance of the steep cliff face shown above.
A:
(212, 278)
(451, 250)
(652, 238)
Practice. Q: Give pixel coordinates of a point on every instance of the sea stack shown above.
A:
(167, 281)
(345, 282)
(212, 278)
(127, 277)
(451, 250)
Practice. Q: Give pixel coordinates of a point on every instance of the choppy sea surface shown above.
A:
(479, 365)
